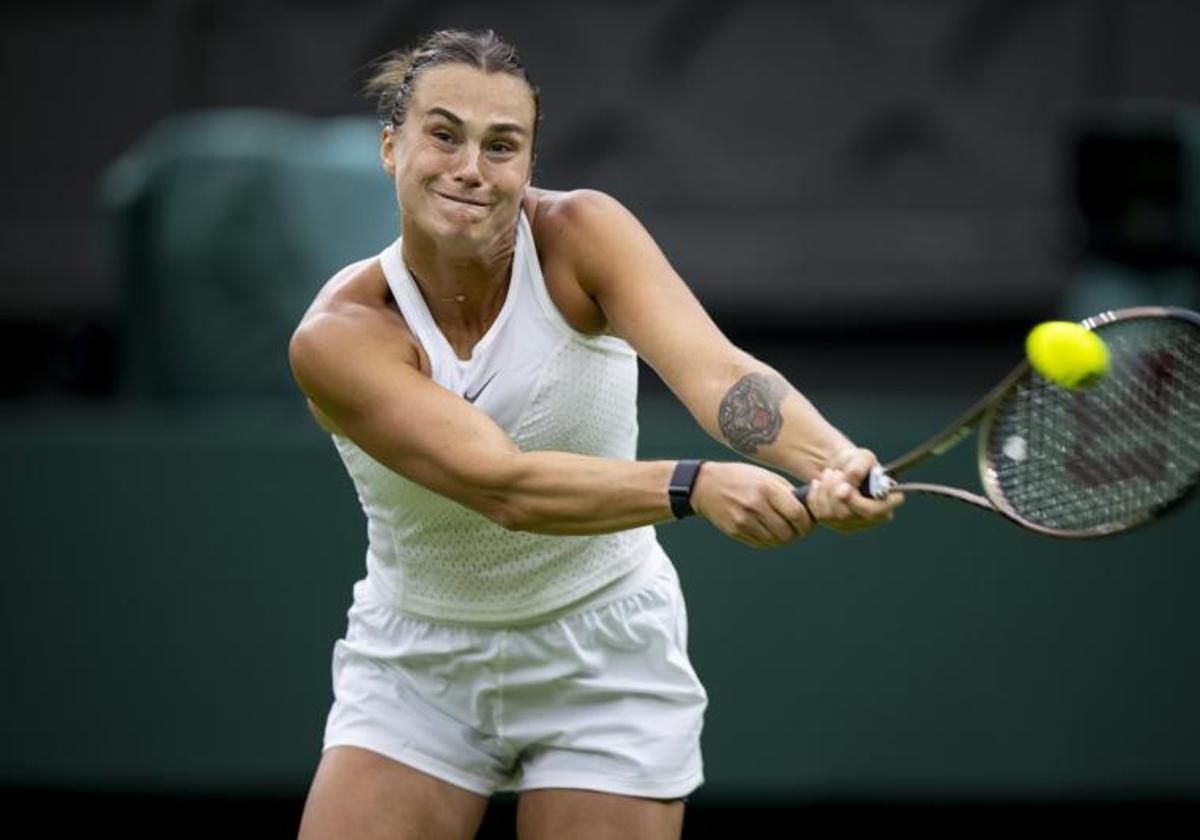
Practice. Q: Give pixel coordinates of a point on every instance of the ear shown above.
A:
(387, 155)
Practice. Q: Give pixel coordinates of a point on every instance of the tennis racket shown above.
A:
(1083, 463)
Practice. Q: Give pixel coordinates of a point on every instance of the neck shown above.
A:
(465, 290)
(469, 277)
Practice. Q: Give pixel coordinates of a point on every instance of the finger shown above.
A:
(757, 534)
(783, 500)
(829, 496)
(866, 512)
(778, 526)
(789, 509)
(858, 466)
(818, 499)
(875, 509)
(747, 527)
(813, 499)
(843, 457)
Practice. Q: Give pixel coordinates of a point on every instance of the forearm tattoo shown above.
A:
(749, 415)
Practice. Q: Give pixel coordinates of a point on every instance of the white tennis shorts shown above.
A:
(603, 698)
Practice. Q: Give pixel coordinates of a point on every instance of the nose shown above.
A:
(467, 172)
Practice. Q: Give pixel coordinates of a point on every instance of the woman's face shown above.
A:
(463, 156)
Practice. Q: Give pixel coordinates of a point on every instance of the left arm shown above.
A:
(737, 399)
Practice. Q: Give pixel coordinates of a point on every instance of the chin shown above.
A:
(464, 228)
(459, 237)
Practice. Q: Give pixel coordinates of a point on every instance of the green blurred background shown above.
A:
(182, 540)
(183, 577)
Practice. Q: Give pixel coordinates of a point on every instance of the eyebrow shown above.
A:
(458, 121)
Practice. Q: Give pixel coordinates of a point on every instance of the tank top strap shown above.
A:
(409, 299)
(526, 252)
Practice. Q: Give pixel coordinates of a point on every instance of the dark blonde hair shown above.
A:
(396, 74)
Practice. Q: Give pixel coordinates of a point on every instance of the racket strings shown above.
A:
(1109, 456)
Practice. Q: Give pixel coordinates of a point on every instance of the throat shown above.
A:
(464, 300)
(465, 322)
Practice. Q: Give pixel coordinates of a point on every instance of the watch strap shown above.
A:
(683, 479)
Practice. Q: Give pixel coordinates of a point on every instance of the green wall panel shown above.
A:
(175, 582)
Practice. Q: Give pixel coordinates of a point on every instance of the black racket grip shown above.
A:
(876, 485)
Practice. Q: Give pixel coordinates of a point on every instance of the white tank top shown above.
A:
(550, 388)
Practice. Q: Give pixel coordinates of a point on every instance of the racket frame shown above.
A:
(982, 414)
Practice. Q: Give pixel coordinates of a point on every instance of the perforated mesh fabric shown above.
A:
(549, 388)
(439, 560)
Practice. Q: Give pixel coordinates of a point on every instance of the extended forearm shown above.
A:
(565, 493)
(749, 407)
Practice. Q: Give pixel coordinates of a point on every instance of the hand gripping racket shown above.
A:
(1090, 462)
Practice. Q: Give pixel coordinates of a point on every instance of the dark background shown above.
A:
(879, 198)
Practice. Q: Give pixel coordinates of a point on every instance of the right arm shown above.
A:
(358, 367)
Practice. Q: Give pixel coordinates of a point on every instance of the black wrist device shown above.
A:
(683, 479)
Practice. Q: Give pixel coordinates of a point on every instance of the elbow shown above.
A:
(495, 496)
(505, 512)
(503, 490)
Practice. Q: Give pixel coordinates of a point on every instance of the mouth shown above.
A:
(470, 202)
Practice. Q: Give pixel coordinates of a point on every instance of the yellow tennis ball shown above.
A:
(1067, 354)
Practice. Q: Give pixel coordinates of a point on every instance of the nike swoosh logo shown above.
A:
(472, 397)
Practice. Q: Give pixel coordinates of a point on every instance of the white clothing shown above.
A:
(550, 388)
(500, 660)
(600, 699)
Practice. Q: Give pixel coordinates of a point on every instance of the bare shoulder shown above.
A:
(564, 217)
(355, 302)
(352, 324)
(591, 230)
(577, 232)
(360, 285)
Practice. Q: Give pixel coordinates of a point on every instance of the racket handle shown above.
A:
(876, 485)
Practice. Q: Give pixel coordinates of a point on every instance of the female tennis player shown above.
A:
(519, 627)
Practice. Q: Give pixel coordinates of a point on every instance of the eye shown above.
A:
(443, 135)
(502, 147)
